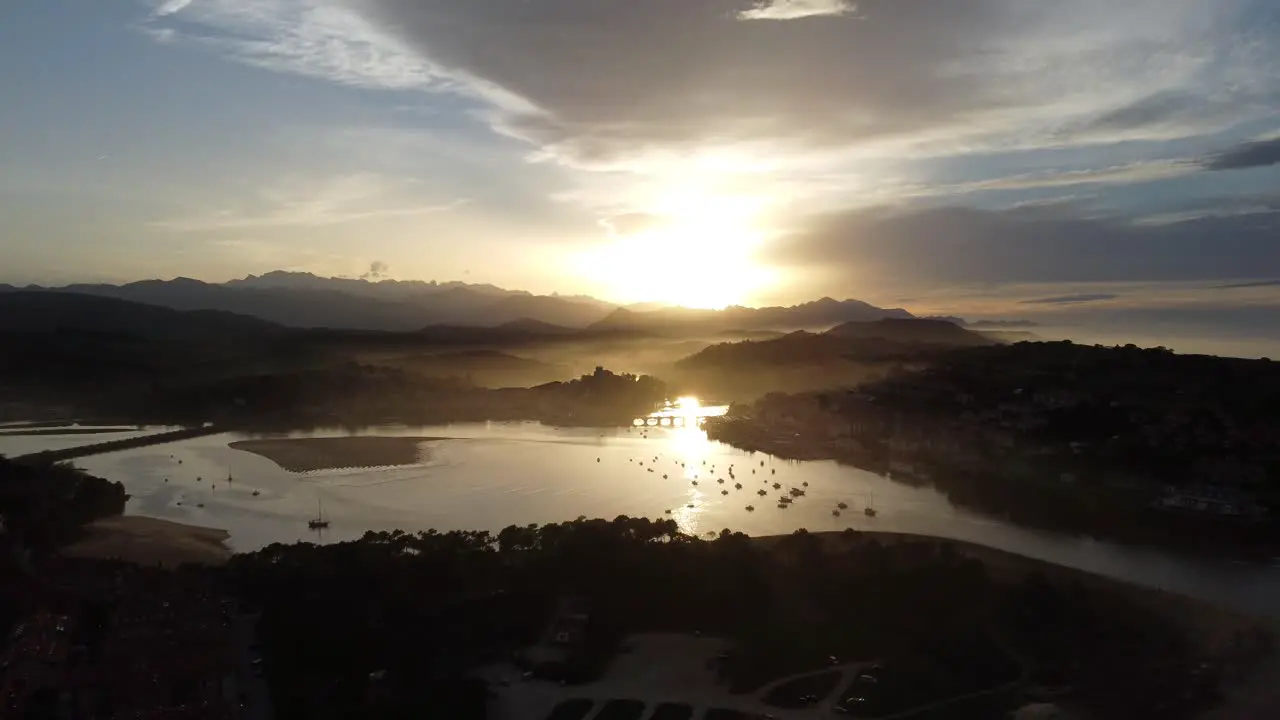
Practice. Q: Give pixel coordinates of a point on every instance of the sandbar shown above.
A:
(307, 454)
(151, 541)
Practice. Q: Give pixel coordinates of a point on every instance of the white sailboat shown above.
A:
(320, 521)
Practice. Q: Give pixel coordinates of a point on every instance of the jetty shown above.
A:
(63, 454)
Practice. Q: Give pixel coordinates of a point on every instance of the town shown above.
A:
(1091, 436)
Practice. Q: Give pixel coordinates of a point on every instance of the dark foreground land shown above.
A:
(397, 625)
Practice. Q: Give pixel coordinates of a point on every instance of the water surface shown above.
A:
(490, 475)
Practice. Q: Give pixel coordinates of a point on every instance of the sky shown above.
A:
(985, 156)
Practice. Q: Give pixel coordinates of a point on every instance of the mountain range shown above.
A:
(304, 300)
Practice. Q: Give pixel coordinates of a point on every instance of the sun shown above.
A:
(700, 255)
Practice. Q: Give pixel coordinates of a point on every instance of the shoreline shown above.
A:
(151, 541)
(1252, 667)
(1005, 564)
(1244, 644)
(299, 455)
(1121, 520)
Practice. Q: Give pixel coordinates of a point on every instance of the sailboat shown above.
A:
(869, 511)
(320, 520)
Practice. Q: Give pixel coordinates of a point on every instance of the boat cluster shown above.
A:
(785, 500)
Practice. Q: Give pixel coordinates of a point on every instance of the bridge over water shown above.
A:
(669, 421)
(678, 416)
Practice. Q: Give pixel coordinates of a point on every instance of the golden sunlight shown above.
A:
(701, 255)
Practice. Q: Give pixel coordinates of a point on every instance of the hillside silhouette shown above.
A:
(304, 300)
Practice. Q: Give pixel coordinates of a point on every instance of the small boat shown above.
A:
(843, 506)
(721, 481)
(179, 462)
(751, 508)
(762, 493)
(229, 478)
(724, 492)
(777, 486)
(783, 506)
(761, 463)
(666, 512)
(319, 521)
(256, 493)
(199, 478)
(796, 492)
(785, 499)
(695, 482)
(774, 471)
(664, 476)
(869, 511)
(805, 483)
(737, 486)
(166, 479)
(597, 459)
(689, 505)
(199, 505)
(836, 513)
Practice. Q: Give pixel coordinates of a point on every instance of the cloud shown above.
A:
(952, 245)
(609, 83)
(327, 40)
(170, 7)
(1251, 284)
(1260, 153)
(630, 223)
(796, 9)
(377, 271)
(1138, 172)
(1071, 299)
(310, 203)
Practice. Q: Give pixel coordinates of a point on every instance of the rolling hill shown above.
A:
(919, 331)
(685, 321)
(303, 300)
(47, 311)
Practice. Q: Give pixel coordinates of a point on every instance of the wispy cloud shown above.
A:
(582, 80)
(796, 9)
(326, 40)
(1071, 299)
(170, 7)
(1260, 153)
(1253, 284)
(334, 201)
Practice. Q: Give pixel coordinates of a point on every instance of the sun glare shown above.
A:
(700, 256)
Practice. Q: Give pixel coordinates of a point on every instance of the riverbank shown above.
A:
(310, 454)
(1032, 496)
(72, 453)
(151, 541)
(1214, 628)
(1240, 646)
(42, 431)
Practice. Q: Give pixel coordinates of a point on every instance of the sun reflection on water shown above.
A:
(689, 450)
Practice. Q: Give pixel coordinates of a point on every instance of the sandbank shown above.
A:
(151, 541)
(307, 454)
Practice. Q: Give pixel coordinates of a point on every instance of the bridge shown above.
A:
(666, 421)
